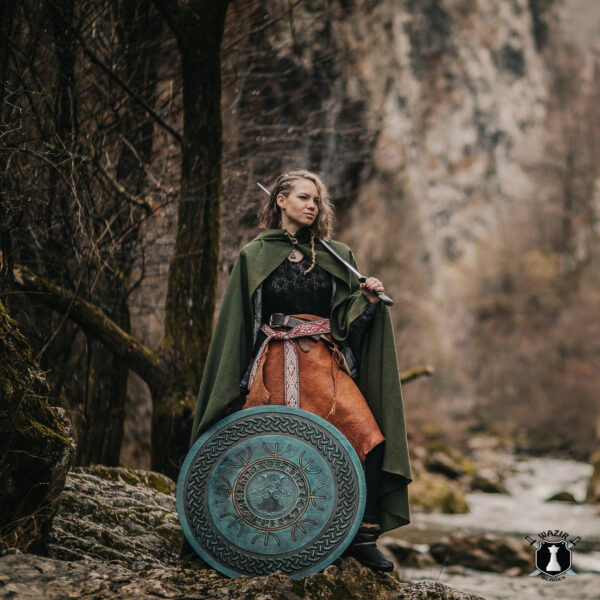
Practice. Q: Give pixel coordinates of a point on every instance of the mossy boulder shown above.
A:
(480, 472)
(117, 516)
(36, 445)
(431, 492)
(449, 464)
(489, 484)
(136, 477)
(116, 535)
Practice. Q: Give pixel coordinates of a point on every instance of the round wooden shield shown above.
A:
(271, 488)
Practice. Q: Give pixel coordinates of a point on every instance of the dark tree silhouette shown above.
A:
(90, 137)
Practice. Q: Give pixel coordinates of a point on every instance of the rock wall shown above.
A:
(446, 131)
(36, 445)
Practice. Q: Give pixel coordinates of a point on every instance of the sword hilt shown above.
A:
(381, 295)
(385, 298)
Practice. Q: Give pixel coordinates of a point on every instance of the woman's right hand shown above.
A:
(370, 286)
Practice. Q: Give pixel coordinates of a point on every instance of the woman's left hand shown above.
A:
(369, 286)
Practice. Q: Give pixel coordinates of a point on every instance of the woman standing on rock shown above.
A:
(347, 370)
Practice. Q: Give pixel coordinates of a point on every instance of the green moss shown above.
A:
(468, 466)
(434, 493)
(37, 430)
(130, 476)
(159, 483)
(33, 441)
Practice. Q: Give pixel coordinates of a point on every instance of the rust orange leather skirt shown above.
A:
(326, 389)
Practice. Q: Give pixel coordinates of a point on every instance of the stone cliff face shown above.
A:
(458, 89)
(446, 131)
(459, 139)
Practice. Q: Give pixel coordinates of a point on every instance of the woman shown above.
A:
(284, 278)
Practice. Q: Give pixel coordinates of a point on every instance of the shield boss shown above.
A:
(271, 488)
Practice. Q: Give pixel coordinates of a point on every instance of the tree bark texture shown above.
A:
(7, 12)
(198, 27)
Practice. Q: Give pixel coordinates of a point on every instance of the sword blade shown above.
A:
(263, 188)
(381, 295)
(354, 270)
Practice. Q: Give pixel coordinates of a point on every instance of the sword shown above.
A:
(381, 295)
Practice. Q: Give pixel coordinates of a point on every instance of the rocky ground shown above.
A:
(116, 535)
(494, 586)
(33, 577)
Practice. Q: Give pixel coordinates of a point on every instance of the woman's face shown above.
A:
(299, 209)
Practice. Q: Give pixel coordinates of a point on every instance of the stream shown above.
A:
(523, 511)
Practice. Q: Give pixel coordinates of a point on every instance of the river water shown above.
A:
(523, 511)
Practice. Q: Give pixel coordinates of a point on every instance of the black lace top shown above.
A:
(286, 290)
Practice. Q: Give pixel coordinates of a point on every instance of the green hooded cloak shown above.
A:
(373, 346)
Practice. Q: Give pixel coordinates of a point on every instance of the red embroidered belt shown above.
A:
(291, 370)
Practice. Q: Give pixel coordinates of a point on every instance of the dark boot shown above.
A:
(364, 549)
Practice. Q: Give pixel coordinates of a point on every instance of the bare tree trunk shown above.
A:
(102, 424)
(7, 12)
(198, 27)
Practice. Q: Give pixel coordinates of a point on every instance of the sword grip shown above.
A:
(381, 295)
(385, 298)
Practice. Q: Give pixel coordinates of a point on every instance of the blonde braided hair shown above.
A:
(294, 241)
(314, 255)
(270, 214)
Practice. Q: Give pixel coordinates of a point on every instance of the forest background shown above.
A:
(460, 141)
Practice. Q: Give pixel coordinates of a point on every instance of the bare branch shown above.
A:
(96, 323)
(415, 373)
(98, 62)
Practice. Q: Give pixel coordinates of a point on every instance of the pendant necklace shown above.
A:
(295, 255)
